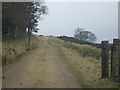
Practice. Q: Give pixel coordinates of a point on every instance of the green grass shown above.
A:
(14, 48)
(87, 68)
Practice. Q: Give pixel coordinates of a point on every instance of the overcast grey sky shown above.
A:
(101, 18)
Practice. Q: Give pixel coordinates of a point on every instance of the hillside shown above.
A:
(57, 64)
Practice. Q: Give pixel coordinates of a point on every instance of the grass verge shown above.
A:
(12, 49)
(87, 68)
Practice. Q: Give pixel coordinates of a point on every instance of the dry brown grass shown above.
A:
(14, 48)
(86, 68)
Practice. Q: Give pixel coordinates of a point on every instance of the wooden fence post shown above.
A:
(115, 60)
(105, 59)
(112, 69)
(118, 60)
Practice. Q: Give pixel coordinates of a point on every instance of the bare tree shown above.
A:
(81, 34)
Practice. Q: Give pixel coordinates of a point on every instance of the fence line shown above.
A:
(114, 68)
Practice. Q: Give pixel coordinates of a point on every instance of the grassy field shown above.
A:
(85, 62)
(12, 49)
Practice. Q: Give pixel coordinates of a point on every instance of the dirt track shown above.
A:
(42, 68)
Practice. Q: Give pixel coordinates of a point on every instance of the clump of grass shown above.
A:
(14, 48)
(85, 50)
(82, 49)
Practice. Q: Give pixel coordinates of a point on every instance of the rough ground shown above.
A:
(42, 68)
